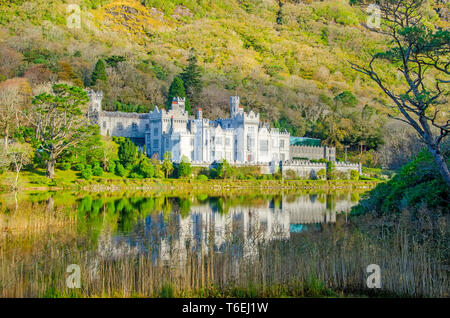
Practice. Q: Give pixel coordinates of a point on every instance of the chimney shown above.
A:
(199, 113)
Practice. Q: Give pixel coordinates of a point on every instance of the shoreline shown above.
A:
(189, 185)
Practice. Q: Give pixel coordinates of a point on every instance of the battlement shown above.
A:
(124, 115)
(306, 147)
(303, 163)
(95, 95)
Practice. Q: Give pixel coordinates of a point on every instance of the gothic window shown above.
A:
(218, 140)
(119, 126)
(104, 124)
(155, 131)
(134, 127)
(155, 143)
(147, 127)
(227, 141)
(282, 144)
(192, 141)
(264, 146)
(250, 142)
(283, 158)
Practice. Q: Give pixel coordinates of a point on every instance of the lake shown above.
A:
(186, 245)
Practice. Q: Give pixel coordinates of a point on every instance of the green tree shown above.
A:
(192, 79)
(331, 170)
(177, 90)
(184, 169)
(422, 55)
(127, 153)
(167, 165)
(59, 122)
(224, 170)
(146, 169)
(99, 72)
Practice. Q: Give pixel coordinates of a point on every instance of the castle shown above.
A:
(240, 139)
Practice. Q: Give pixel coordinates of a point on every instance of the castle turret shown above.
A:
(95, 105)
(234, 105)
(179, 103)
(199, 113)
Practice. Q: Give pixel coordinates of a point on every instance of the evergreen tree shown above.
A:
(127, 153)
(177, 90)
(192, 79)
(99, 72)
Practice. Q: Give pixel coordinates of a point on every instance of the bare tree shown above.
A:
(9, 110)
(422, 56)
(19, 155)
(59, 122)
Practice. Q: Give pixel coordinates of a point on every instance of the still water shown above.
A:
(163, 224)
(202, 245)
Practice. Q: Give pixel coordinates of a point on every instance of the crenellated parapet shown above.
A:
(124, 115)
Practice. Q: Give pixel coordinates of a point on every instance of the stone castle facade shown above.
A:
(240, 139)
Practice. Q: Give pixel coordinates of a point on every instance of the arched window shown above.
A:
(134, 127)
(119, 126)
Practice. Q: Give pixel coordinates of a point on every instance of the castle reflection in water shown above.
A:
(208, 227)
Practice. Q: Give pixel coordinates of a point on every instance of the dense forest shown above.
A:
(287, 59)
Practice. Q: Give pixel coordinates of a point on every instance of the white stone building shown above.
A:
(240, 139)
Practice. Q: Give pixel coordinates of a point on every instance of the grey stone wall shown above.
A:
(309, 170)
(130, 125)
(312, 153)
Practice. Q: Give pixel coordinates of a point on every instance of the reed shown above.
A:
(329, 263)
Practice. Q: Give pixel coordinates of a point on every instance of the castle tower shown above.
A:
(95, 105)
(179, 103)
(199, 113)
(234, 105)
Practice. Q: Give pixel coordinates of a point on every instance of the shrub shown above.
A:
(202, 177)
(184, 169)
(120, 170)
(331, 170)
(354, 174)
(322, 174)
(135, 175)
(97, 171)
(64, 166)
(291, 175)
(86, 174)
(146, 169)
(418, 184)
(111, 167)
(79, 167)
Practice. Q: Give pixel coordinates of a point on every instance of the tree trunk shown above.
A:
(16, 182)
(441, 164)
(51, 167)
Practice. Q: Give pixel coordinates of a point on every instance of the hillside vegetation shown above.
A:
(287, 59)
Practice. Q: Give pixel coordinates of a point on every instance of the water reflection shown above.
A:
(169, 228)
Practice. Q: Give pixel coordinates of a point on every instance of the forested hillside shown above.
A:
(287, 59)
